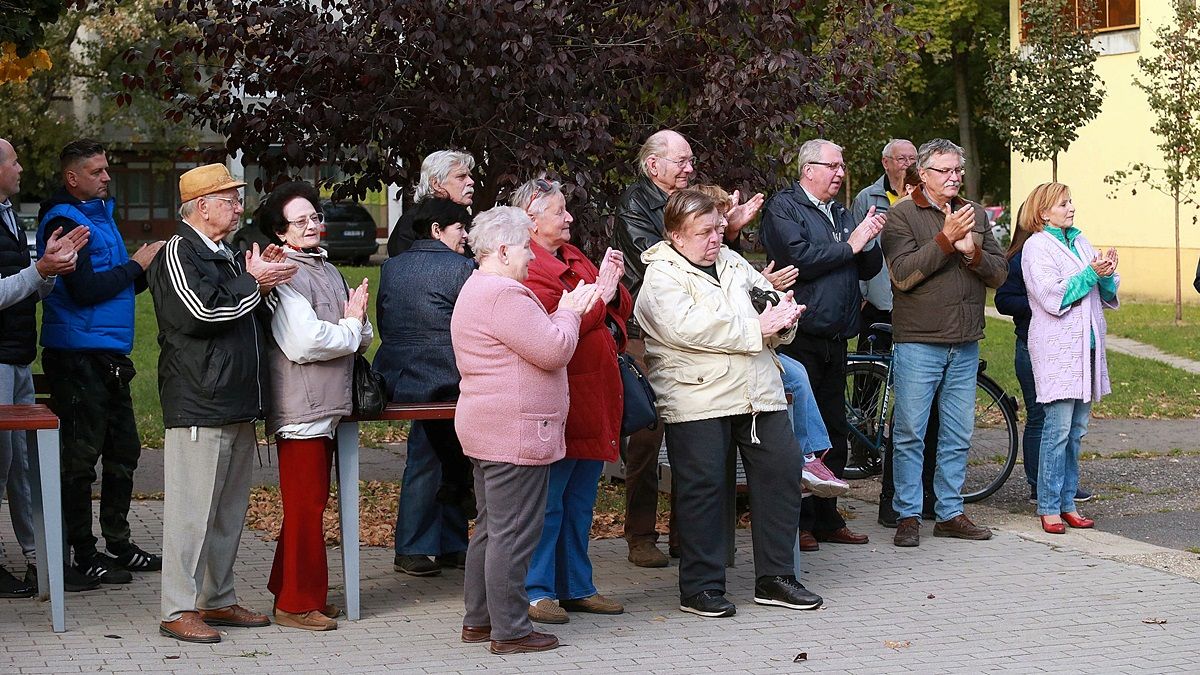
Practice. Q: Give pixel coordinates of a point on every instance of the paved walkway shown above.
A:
(1010, 604)
(1124, 345)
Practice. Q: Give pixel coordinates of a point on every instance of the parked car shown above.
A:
(998, 223)
(30, 225)
(348, 233)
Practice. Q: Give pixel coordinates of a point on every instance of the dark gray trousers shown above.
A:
(512, 507)
(698, 451)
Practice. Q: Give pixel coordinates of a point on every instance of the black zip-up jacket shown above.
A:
(639, 226)
(18, 323)
(211, 367)
(795, 232)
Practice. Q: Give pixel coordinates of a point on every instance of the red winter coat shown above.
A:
(594, 417)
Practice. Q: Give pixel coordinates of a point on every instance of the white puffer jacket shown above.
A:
(704, 348)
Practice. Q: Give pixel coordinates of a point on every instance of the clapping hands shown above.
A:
(741, 214)
(1105, 265)
(776, 318)
(269, 268)
(62, 251)
(780, 279)
(867, 230)
(581, 299)
(612, 269)
(356, 304)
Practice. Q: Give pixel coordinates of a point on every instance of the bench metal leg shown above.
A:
(347, 471)
(46, 487)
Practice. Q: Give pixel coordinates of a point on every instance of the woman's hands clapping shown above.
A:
(1105, 265)
(581, 299)
(776, 318)
(356, 305)
(612, 269)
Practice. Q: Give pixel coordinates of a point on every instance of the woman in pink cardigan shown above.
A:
(1069, 286)
(510, 419)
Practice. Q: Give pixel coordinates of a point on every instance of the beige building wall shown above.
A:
(1141, 225)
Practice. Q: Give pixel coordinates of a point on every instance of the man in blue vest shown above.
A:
(87, 335)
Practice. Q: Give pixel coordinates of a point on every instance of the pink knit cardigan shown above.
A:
(513, 360)
(1060, 337)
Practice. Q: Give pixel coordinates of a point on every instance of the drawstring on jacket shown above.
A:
(754, 428)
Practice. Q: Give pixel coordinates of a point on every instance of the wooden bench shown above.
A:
(41, 427)
(347, 473)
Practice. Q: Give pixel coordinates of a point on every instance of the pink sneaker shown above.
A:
(820, 481)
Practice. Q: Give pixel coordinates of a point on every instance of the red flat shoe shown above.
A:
(1076, 520)
(1053, 528)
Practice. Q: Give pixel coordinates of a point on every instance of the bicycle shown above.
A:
(993, 451)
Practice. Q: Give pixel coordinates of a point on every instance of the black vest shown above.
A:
(18, 324)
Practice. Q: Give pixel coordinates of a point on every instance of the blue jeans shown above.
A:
(1058, 465)
(921, 372)
(425, 526)
(806, 416)
(560, 568)
(1035, 413)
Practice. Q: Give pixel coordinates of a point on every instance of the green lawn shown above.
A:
(145, 359)
(1141, 388)
(1154, 323)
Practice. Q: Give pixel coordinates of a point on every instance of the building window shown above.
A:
(1111, 15)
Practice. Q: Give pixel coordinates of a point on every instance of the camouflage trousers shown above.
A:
(90, 395)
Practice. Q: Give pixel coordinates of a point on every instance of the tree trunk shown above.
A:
(1178, 267)
(1054, 167)
(966, 131)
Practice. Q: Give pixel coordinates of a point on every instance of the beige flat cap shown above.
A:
(205, 180)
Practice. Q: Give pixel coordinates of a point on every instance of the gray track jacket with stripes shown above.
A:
(211, 318)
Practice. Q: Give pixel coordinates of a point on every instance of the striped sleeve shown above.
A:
(205, 301)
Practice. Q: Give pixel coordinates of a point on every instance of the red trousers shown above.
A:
(300, 573)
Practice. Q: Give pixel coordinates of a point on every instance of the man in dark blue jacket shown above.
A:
(804, 226)
(87, 336)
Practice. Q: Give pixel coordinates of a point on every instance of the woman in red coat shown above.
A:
(560, 569)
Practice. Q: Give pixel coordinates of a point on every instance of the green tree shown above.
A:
(1171, 80)
(1044, 91)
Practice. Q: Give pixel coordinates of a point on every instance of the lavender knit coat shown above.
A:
(1060, 337)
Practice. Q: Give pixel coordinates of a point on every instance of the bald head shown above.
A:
(10, 171)
(666, 159)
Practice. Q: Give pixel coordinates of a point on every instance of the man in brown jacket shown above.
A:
(941, 257)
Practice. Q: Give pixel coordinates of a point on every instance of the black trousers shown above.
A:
(90, 394)
(825, 361)
(698, 452)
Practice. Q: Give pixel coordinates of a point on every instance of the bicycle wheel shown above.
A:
(993, 443)
(868, 409)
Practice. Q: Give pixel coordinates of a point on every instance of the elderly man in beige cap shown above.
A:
(211, 378)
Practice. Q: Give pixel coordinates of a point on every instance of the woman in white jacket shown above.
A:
(710, 360)
(317, 326)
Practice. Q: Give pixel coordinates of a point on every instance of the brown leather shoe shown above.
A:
(332, 611)
(808, 542)
(594, 604)
(961, 527)
(908, 532)
(189, 628)
(310, 620)
(236, 616)
(842, 535)
(476, 633)
(646, 554)
(534, 642)
(547, 611)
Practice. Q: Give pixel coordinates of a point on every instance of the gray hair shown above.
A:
(811, 151)
(437, 166)
(657, 144)
(187, 208)
(532, 197)
(891, 145)
(499, 226)
(3, 152)
(938, 146)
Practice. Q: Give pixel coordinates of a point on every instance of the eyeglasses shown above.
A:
(833, 166)
(314, 218)
(958, 170)
(238, 201)
(541, 186)
(680, 162)
(907, 159)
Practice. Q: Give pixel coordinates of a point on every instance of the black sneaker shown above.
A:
(453, 560)
(73, 580)
(103, 568)
(135, 559)
(417, 565)
(1033, 495)
(1082, 495)
(12, 587)
(785, 591)
(708, 603)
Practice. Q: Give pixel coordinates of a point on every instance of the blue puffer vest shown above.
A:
(106, 326)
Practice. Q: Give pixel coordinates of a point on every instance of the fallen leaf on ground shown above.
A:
(1156, 621)
(802, 656)
(930, 596)
(896, 644)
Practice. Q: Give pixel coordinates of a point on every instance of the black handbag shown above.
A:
(639, 412)
(370, 392)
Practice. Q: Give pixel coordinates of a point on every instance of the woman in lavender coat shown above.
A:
(1069, 287)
